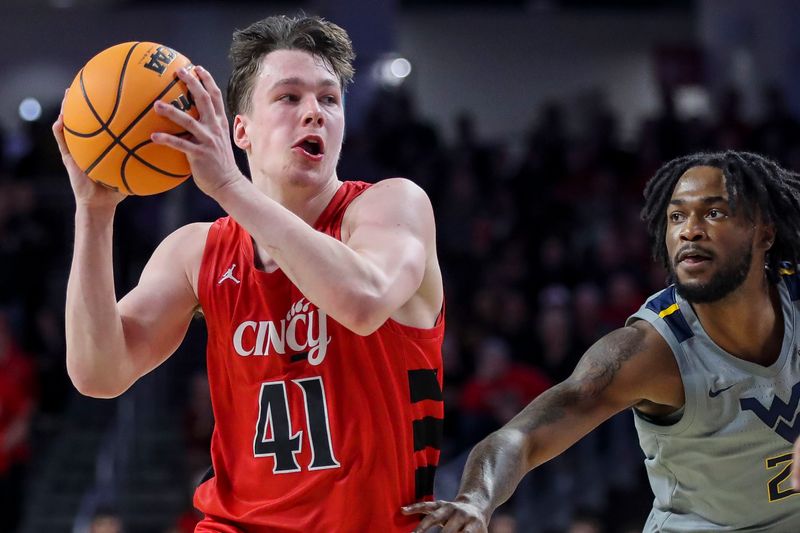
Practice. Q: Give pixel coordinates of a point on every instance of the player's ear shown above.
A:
(240, 137)
(768, 235)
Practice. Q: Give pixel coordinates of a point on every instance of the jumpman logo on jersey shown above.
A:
(228, 275)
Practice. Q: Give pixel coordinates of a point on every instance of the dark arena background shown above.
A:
(532, 125)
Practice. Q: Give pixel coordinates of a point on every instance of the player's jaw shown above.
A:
(702, 276)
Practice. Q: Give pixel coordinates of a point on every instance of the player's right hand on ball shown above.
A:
(457, 516)
(87, 192)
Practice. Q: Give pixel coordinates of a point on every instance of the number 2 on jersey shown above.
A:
(274, 436)
(775, 486)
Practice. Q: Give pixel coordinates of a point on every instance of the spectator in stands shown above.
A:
(17, 401)
(499, 389)
(106, 520)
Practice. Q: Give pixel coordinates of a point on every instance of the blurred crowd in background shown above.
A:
(540, 244)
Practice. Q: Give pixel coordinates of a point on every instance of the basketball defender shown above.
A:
(710, 365)
(323, 299)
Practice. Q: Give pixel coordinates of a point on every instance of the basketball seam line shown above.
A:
(117, 139)
(104, 125)
(132, 153)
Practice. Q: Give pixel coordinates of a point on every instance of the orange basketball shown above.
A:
(109, 116)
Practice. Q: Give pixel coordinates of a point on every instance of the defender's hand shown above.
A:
(454, 516)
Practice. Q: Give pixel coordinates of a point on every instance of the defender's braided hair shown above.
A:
(753, 182)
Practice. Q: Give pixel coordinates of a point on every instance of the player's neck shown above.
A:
(747, 323)
(305, 200)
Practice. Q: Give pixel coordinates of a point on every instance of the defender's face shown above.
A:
(294, 129)
(710, 248)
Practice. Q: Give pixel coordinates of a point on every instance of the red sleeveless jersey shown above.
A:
(317, 428)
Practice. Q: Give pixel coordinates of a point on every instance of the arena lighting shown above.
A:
(692, 101)
(391, 70)
(400, 67)
(30, 109)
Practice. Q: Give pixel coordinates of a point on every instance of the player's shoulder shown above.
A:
(187, 242)
(637, 349)
(395, 189)
(392, 197)
(183, 249)
(636, 340)
(397, 204)
(639, 337)
(397, 184)
(190, 235)
(637, 361)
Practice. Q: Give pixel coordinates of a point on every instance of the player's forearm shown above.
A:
(493, 470)
(549, 425)
(94, 335)
(350, 288)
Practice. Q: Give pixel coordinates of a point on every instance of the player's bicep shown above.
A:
(605, 381)
(156, 313)
(607, 372)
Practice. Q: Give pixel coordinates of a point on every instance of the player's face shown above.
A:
(293, 131)
(710, 248)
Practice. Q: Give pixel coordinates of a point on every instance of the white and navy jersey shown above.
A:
(725, 464)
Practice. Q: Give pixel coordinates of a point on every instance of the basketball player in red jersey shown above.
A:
(323, 300)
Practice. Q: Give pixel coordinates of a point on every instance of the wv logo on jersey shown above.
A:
(780, 416)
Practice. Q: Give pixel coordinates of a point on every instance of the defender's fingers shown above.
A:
(420, 507)
(455, 523)
(439, 516)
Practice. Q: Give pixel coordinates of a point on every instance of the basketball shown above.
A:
(109, 116)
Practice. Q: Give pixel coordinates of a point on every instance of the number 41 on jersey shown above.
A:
(274, 436)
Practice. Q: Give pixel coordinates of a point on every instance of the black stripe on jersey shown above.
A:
(428, 433)
(299, 357)
(423, 385)
(423, 480)
(675, 320)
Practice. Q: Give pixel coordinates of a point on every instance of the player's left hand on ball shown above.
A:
(208, 147)
(452, 516)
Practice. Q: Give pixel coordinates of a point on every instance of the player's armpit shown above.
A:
(157, 312)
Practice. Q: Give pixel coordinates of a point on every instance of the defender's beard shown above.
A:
(725, 281)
